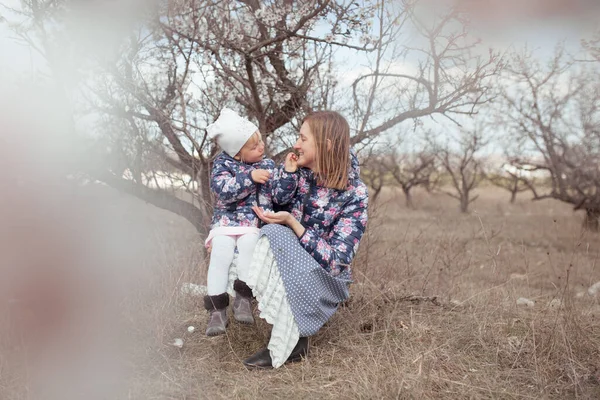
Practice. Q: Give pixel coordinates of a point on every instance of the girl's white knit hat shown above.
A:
(231, 131)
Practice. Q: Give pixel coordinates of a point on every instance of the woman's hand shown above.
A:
(282, 218)
(291, 163)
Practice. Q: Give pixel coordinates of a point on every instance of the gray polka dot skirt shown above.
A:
(312, 293)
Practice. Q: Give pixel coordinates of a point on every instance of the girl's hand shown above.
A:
(281, 217)
(260, 175)
(291, 162)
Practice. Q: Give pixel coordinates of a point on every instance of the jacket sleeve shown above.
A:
(337, 251)
(285, 185)
(230, 186)
(266, 189)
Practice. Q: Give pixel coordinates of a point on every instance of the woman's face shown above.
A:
(306, 148)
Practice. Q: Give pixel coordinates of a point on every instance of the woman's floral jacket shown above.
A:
(335, 220)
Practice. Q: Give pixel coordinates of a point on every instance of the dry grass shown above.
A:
(433, 311)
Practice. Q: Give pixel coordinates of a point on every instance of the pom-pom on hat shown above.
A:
(231, 131)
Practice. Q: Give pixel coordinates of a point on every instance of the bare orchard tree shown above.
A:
(182, 61)
(393, 164)
(185, 61)
(553, 110)
(512, 178)
(452, 77)
(374, 172)
(462, 162)
(411, 169)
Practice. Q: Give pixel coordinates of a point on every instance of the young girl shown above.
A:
(239, 181)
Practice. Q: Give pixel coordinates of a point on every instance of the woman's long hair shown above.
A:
(331, 163)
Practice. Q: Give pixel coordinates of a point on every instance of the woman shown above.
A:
(301, 266)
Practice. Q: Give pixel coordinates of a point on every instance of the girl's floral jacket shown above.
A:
(235, 191)
(334, 220)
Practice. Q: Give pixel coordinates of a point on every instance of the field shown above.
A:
(433, 312)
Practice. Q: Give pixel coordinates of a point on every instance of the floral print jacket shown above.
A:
(235, 191)
(335, 220)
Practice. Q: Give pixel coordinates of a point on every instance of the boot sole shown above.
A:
(212, 334)
(257, 367)
(245, 322)
(217, 333)
(295, 359)
(251, 366)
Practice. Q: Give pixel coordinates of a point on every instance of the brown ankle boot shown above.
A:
(217, 307)
(242, 309)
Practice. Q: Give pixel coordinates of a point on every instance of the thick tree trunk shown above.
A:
(513, 196)
(591, 222)
(464, 203)
(428, 186)
(408, 198)
(375, 194)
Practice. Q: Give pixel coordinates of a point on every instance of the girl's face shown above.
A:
(306, 148)
(254, 149)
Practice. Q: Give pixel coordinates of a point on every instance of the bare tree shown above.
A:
(553, 111)
(375, 173)
(511, 178)
(185, 60)
(451, 78)
(394, 164)
(463, 165)
(411, 169)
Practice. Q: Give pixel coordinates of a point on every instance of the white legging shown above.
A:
(221, 257)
